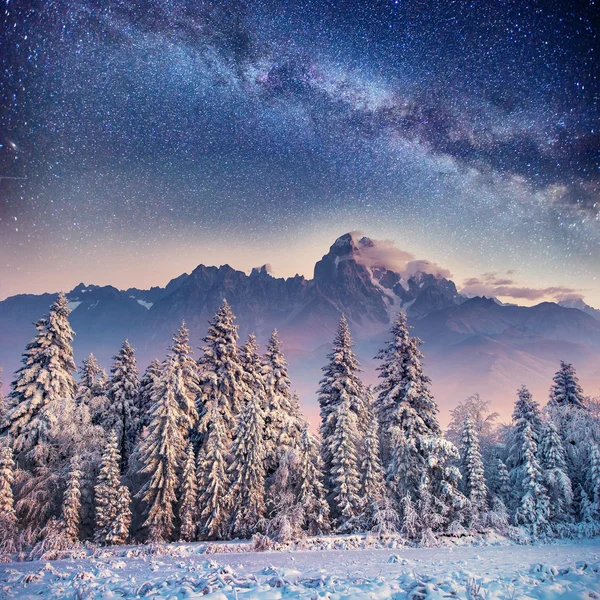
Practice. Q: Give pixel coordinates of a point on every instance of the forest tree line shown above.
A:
(216, 448)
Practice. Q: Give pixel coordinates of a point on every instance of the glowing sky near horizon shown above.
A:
(139, 139)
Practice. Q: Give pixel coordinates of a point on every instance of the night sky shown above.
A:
(139, 139)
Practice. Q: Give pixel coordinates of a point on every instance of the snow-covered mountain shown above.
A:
(581, 305)
(471, 344)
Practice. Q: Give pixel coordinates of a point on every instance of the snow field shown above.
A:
(566, 570)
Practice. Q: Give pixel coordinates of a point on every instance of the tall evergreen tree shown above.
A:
(149, 384)
(566, 390)
(45, 378)
(123, 391)
(341, 384)
(92, 389)
(72, 501)
(212, 477)
(283, 423)
(501, 482)
(554, 471)
(8, 517)
(188, 387)
(417, 459)
(533, 509)
(404, 400)
(526, 415)
(221, 374)
(594, 478)
(246, 495)
(472, 467)
(311, 492)
(343, 476)
(113, 514)
(373, 489)
(162, 455)
(188, 510)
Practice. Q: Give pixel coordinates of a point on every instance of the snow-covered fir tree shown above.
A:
(533, 508)
(212, 477)
(45, 377)
(417, 459)
(147, 394)
(188, 386)
(500, 483)
(71, 512)
(404, 400)
(246, 495)
(343, 475)
(566, 390)
(283, 423)
(472, 468)
(587, 512)
(594, 478)
(311, 491)
(221, 374)
(8, 516)
(526, 415)
(162, 454)
(188, 509)
(340, 385)
(113, 514)
(373, 490)
(92, 389)
(554, 471)
(123, 390)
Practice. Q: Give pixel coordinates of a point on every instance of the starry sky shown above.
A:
(141, 138)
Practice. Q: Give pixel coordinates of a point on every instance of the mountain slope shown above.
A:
(471, 345)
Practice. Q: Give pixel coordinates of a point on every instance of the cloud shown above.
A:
(384, 254)
(489, 284)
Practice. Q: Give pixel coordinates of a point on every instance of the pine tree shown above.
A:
(221, 374)
(212, 477)
(162, 453)
(526, 415)
(246, 495)
(555, 477)
(594, 477)
(417, 459)
(344, 490)
(502, 487)
(188, 511)
(472, 468)
(534, 505)
(147, 394)
(188, 388)
(404, 399)
(92, 389)
(72, 501)
(587, 513)
(45, 378)
(566, 390)
(283, 423)
(373, 490)
(122, 392)
(113, 515)
(311, 492)
(341, 384)
(8, 517)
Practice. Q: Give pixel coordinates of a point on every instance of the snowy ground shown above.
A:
(564, 570)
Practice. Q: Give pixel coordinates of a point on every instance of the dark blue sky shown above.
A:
(152, 136)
